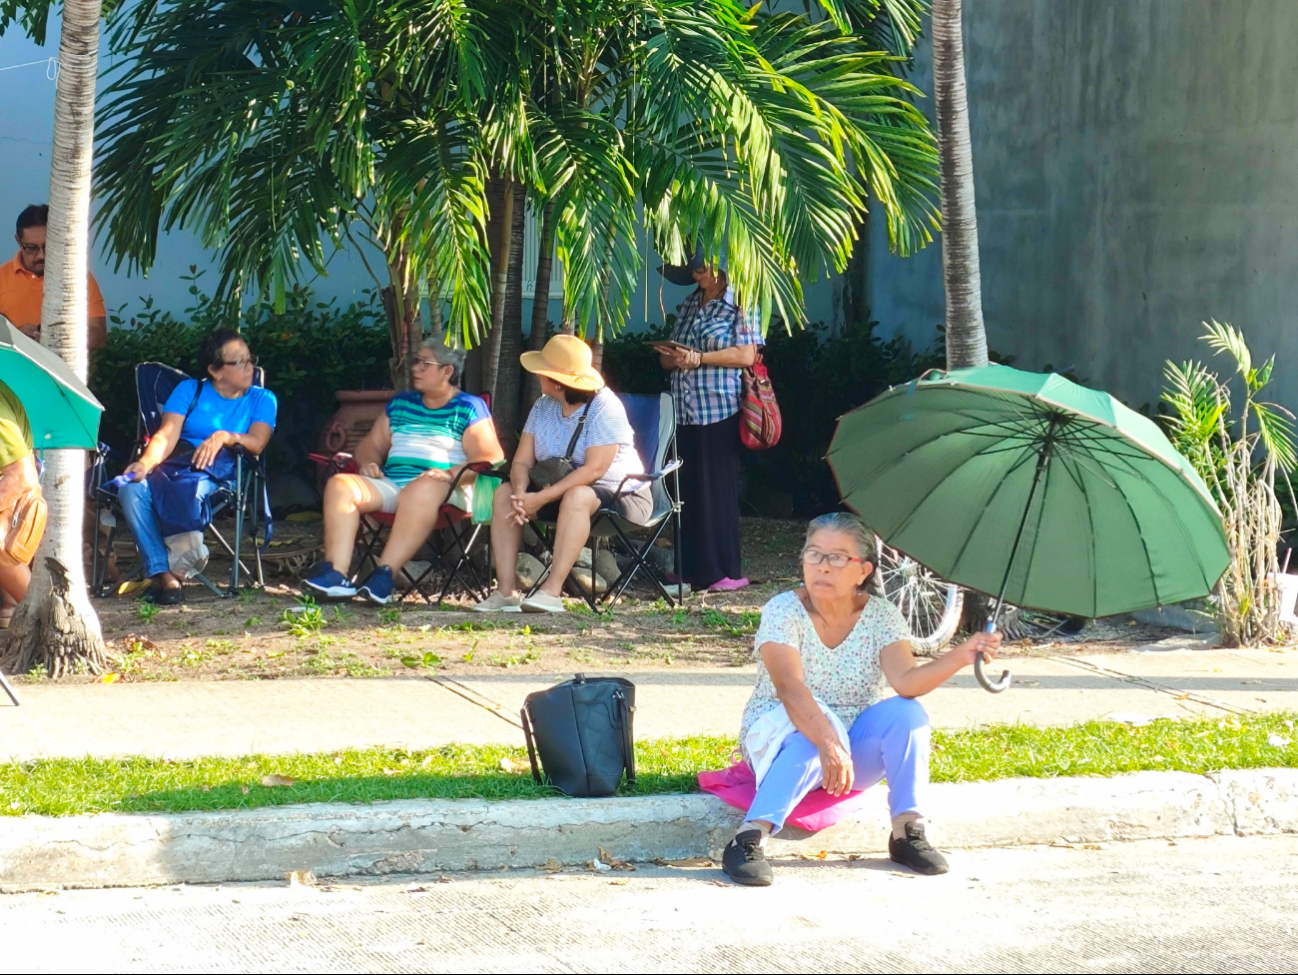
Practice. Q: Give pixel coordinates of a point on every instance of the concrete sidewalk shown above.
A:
(189, 719)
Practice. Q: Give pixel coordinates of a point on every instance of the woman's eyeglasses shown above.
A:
(838, 560)
(240, 363)
(425, 364)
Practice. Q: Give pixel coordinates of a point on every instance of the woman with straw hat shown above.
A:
(574, 458)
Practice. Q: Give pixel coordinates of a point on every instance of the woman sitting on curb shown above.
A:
(817, 716)
(576, 451)
(407, 463)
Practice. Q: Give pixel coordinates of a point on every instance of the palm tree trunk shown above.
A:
(540, 300)
(499, 283)
(508, 368)
(966, 337)
(55, 627)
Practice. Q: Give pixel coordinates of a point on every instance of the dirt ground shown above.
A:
(267, 634)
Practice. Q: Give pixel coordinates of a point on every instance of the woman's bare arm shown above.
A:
(784, 664)
(910, 678)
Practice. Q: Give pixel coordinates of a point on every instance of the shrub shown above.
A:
(1239, 456)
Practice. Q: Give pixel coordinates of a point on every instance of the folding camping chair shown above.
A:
(454, 559)
(154, 383)
(653, 419)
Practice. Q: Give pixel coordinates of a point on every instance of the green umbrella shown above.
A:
(1025, 485)
(61, 411)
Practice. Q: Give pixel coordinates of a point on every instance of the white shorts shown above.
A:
(389, 490)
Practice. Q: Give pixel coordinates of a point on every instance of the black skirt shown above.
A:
(710, 501)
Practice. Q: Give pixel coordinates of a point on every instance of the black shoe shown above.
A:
(164, 595)
(917, 852)
(744, 862)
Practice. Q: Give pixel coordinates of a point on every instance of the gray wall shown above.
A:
(1136, 164)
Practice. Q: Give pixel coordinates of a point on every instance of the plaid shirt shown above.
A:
(710, 394)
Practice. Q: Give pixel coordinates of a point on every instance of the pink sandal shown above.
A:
(728, 585)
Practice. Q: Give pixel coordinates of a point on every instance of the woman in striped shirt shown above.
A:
(407, 463)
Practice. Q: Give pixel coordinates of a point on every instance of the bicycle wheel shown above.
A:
(930, 604)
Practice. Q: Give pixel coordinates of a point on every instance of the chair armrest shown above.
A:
(645, 478)
(339, 463)
(477, 467)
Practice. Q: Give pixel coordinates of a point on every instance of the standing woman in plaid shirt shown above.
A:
(707, 383)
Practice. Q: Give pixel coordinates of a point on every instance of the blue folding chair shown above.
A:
(653, 419)
(154, 384)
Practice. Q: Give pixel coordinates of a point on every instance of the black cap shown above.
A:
(683, 274)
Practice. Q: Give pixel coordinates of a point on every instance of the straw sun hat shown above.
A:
(566, 360)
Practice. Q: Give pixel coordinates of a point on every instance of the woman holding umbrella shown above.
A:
(22, 508)
(826, 654)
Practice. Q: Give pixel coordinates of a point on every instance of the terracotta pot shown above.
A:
(357, 411)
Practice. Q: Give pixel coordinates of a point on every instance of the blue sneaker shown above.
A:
(378, 587)
(329, 583)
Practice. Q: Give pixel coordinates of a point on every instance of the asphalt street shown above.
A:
(1212, 905)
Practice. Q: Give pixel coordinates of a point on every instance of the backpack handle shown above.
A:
(531, 745)
(628, 746)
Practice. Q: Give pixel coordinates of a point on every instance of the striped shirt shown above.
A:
(710, 394)
(423, 439)
(606, 424)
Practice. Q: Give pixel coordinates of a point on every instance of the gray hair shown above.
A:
(447, 356)
(862, 538)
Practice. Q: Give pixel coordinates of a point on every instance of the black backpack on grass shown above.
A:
(582, 731)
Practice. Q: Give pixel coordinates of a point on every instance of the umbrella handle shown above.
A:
(994, 686)
(980, 660)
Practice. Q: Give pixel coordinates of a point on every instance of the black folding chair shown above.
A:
(154, 384)
(653, 419)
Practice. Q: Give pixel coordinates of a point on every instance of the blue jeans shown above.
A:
(889, 739)
(136, 500)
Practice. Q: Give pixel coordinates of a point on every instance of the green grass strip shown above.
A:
(64, 786)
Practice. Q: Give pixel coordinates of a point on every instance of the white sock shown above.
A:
(899, 824)
(763, 827)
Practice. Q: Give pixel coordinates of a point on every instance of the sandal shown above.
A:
(163, 595)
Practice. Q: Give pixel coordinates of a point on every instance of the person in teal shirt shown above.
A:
(406, 464)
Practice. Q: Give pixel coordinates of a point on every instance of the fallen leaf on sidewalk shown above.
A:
(109, 678)
(1181, 697)
(817, 855)
(618, 883)
(613, 862)
(552, 865)
(274, 779)
(301, 878)
(514, 766)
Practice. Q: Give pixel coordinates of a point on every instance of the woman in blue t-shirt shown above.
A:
(224, 410)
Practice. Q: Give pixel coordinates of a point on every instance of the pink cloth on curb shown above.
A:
(818, 809)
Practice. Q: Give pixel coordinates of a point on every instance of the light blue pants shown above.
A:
(136, 499)
(889, 739)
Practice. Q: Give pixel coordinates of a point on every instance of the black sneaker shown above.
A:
(917, 852)
(744, 862)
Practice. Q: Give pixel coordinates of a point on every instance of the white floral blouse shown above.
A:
(847, 678)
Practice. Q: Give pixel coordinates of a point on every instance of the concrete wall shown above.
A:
(1136, 164)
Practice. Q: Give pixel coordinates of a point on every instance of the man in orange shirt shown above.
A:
(22, 282)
